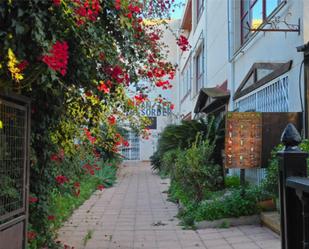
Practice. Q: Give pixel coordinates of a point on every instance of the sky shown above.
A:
(178, 11)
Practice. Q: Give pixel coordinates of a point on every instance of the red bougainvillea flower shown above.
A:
(77, 184)
(88, 94)
(172, 106)
(117, 74)
(140, 98)
(31, 235)
(126, 143)
(77, 192)
(61, 179)
(183, 43)
(22, 65)
(103, 88)
(86, 10)
(89, 136)
(100, 187)
(57, 2)
(54, 158)
(117, 4)
(51, 217)
(89, 169)
(112, 120)
(33, 199)
(58, 56)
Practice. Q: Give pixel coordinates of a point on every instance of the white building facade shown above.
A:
(140, 148)
(248, 49)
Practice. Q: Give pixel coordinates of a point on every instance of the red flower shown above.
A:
(103, 88)
(58, 58)
(89, 136)
(54, 158)
(61, 179)
(117, 4)
(100, 187)
(57, 2)
(51, 217)
(77, 192)
(112, 120)
(32, 199)
(88, 94)
(77, 185)
(21, 66)
(31, 235)
(126, 143)
(183, 43)
(172, 106)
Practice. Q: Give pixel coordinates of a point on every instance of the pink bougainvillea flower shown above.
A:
(101, 187)
(60, 179)
(112, 120)
(58, 56)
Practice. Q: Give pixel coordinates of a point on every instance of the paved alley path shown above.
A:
(135, 215)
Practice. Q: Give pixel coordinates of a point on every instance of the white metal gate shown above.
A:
(132, 152)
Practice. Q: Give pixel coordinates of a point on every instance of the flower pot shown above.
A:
(267, 205)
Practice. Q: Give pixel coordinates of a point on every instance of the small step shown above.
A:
(271, 220)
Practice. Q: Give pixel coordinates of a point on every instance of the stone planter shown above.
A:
(239, 221)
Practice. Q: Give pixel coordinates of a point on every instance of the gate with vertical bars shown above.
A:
(14, 170)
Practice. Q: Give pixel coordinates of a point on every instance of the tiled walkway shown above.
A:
(135, 215)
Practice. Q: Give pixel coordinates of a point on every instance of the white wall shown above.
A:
(213, 29)
(272, 47)
(148, 147)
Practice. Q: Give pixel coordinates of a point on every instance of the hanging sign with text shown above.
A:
(243, 140)
(149, 109)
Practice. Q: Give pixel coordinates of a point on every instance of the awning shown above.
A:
(210, 99)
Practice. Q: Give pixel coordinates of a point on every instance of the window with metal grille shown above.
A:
(273, 97)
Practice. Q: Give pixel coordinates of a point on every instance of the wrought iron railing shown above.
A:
(294, 192)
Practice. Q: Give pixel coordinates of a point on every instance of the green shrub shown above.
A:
(232, 181)
(182, 136)
(196, 172)
(169, 160)
(233, 203)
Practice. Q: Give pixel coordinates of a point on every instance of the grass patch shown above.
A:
(87, 237)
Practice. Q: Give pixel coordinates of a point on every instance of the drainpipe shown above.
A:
(230, 56)
(304, 71)
(205, 44)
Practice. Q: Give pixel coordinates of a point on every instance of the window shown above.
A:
(273, 97)
(200, 8)
(199, 68)
(254, 13)
(186, 80)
